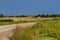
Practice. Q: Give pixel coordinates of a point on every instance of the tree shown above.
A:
(1, 15)
(54, 15)
(43, 15)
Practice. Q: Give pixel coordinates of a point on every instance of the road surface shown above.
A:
(6, 31)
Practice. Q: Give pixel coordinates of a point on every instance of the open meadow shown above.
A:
(45, 29)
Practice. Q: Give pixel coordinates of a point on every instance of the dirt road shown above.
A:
(6, 31)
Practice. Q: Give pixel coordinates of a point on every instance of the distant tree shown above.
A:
(23, 16)
(39, 15)
(47, 15)
(54, 15)
(43, 15)
(1, 15)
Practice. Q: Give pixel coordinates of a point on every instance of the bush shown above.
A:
(6, 20)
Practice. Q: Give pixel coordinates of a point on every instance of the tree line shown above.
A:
(40, 15)
(48, 15)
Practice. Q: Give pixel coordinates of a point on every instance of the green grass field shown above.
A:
(43, 30)
(14, 22)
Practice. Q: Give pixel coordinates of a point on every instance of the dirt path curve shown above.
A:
(6, 31)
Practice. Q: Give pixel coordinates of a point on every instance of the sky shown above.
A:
(29, 7)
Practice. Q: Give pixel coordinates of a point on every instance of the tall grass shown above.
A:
(40, 31)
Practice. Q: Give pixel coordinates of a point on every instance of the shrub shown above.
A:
(6, 20)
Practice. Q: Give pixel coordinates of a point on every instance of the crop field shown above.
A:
(43, 30)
